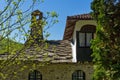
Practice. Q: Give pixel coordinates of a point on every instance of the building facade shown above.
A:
(68, 59)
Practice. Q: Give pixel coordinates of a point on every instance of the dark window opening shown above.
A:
(78, 75)
(85, 35)
(35, 75)
(85, 38)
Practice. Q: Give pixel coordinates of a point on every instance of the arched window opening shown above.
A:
(37, 17)
(35, 75)
(85, 35)
(78, 75)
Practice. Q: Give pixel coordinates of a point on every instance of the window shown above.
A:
(89, 37)
(35, 75)
(78, 75)
(85, 35)
(85, 38)
(81, 39)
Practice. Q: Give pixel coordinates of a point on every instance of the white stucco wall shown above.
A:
(78, 26)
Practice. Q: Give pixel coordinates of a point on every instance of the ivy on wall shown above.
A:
(106, 45)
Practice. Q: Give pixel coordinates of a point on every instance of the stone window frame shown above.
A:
(78, 75)
(35, 75)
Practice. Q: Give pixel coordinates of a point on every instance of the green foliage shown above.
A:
(14, 25)
(106, 45)
(9, 46)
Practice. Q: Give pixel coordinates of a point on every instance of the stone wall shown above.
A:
(61, 71)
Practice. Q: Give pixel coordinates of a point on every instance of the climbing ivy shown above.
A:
(106, 45)
(16, 27)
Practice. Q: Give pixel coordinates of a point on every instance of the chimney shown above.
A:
(36, 34)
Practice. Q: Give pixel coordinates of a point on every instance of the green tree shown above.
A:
(13, 22)
(14, 18)
(106, 45)
(4, 46)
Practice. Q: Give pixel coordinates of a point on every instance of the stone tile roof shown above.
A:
(55, 51)
(70, 24)
(58, 51)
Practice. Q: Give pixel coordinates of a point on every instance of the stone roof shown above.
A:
(56, 51)
(70, 24)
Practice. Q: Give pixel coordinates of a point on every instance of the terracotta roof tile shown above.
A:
(80, 17)
(70, 24)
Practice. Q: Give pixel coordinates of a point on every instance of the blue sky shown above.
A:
(64, 8)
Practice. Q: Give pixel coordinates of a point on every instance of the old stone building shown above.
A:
(68, 59)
